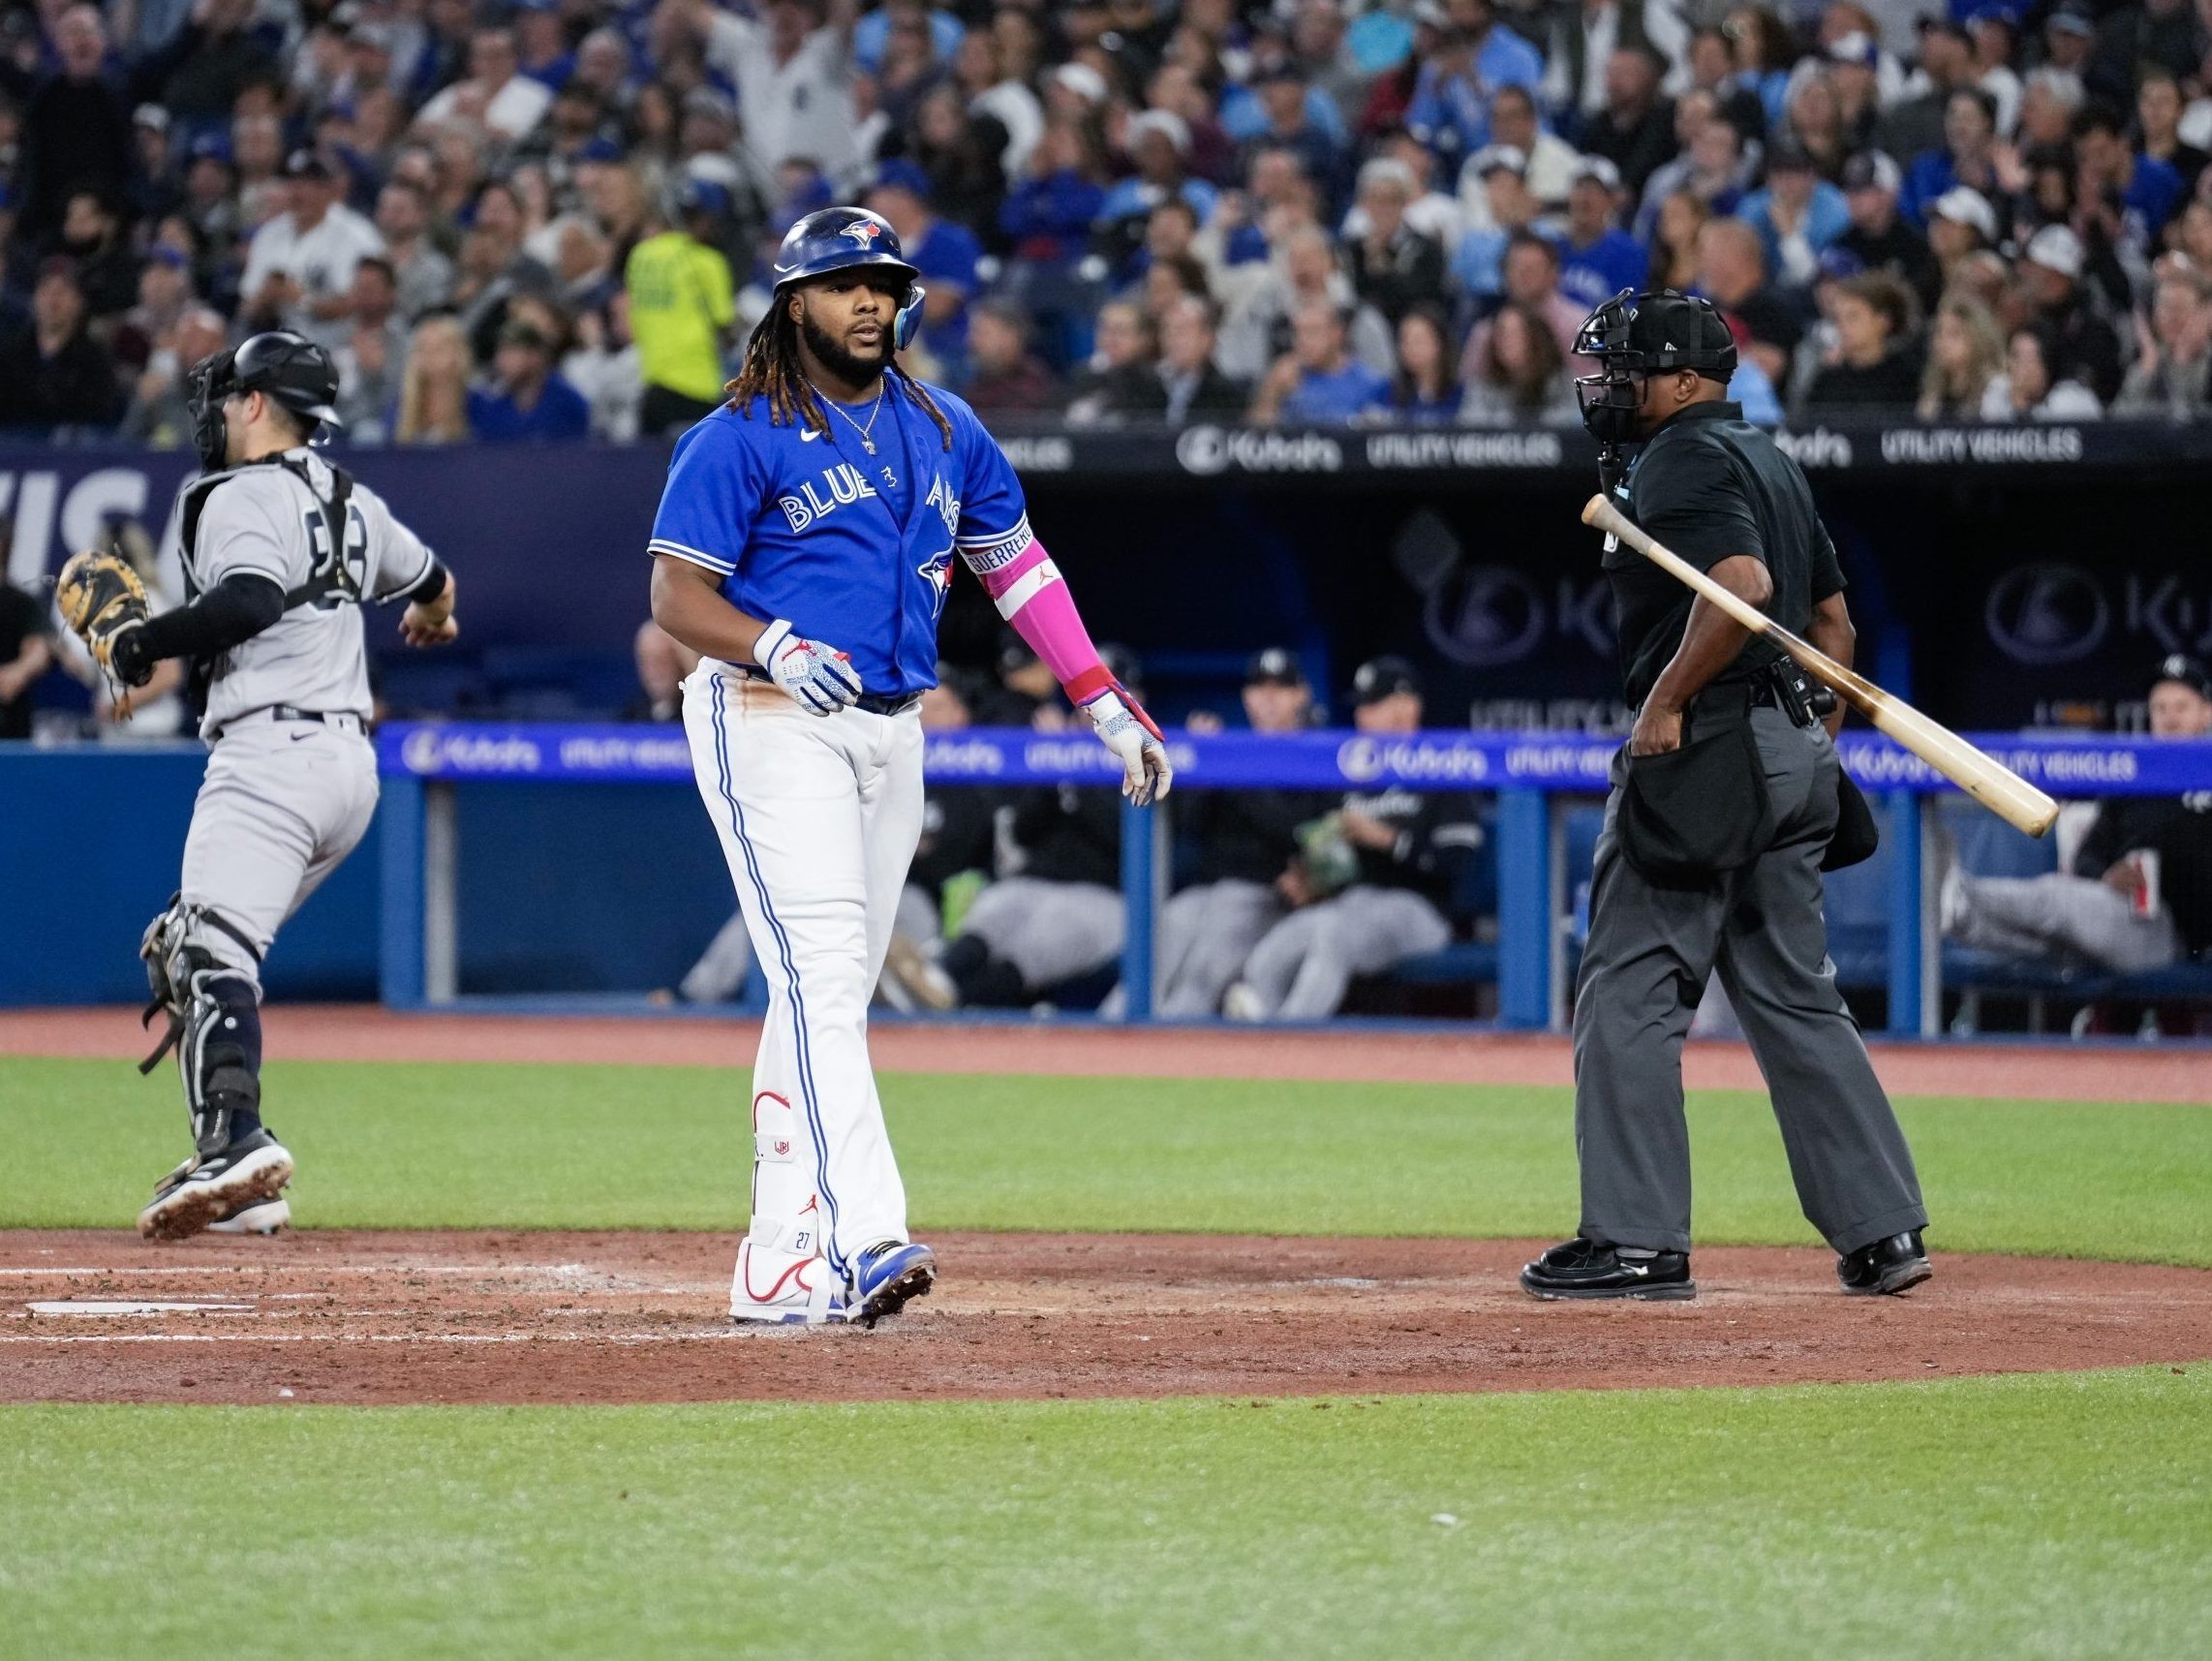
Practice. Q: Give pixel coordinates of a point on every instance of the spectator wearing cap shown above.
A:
(1875, 365)
(1159, 145)
(1585, 36)
(795, 67)
(2158, 108)
(1878, 234)
(2069, 34)
(526, 399)
(2138, 895)
(1854, 65)
(1004, 377)
(496, 93)
(1966, 354)
(1914, 124)
(1961, 224)
(1968, 156)
(1510, 209)
(1197, 388)
(75, 130)
(1290, 124)
(1394, 266)
(2035, 385)
(2172, 377)
(1372, 878)
(1473, 57)
(1634, 130)
(54, 375)
(2133, 195)
(1318, 382)
(1732, 273)
(1246, 840)
(1550, 160)
(1597, 259)
(682, 306)
(1994, 25)
(1121, 382)
(425, 275)
(2088, 347)
(299, 268)
(1797, 215)
(942, 250)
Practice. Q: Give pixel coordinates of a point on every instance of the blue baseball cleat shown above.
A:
(885, 1277)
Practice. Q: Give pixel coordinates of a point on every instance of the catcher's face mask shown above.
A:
(211, 381)
(1634, 337)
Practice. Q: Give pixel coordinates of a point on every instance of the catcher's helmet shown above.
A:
(285, 367)
(1658, 332)
(843, 239)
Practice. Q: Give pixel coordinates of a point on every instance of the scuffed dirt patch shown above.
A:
(478, 1318)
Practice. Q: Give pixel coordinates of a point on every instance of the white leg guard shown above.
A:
(784, 1273)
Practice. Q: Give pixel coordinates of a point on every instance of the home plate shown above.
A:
(124, 1307)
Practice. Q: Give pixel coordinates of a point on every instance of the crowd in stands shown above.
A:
(529, 219)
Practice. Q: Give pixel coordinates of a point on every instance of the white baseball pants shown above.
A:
(819, 817)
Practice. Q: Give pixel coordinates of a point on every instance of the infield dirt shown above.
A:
(478, 1318)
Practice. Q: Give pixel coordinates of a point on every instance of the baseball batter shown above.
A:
(803, 547)
(279, 551)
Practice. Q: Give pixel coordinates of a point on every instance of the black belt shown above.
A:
(1781, 685)
(871, 703)
(286, 711)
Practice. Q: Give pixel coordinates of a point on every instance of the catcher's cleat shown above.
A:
(263, 1217)
(1578, 1268)
(886, 1277)
(204, 1190)
(1884, 1268)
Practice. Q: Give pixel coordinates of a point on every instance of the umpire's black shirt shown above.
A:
(1710, 486)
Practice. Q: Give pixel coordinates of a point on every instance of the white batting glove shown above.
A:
(1131, 734)
(818, 678)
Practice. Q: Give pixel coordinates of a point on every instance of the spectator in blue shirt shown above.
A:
(1049, 212)
(1450, 109)
(1318, 382)
(1597, 259)
(1158, 141)
(1320, 153)
(528, 400)
(943, 251)
(1478, 263)
(1797, 215)
(1967, 157)
(2146, 190)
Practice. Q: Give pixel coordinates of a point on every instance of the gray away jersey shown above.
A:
(264, 518)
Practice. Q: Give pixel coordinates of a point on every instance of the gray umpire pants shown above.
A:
(1650, 949)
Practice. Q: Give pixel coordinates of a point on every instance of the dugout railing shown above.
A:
(1536, 779)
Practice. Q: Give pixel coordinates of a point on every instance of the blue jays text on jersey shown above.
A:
(854, 551)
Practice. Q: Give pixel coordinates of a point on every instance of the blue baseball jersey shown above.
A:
(854, 550)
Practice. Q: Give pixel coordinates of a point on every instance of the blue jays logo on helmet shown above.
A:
(845, 239)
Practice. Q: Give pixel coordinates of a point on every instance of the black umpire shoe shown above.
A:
(1887, 1267)
(1582, 1268)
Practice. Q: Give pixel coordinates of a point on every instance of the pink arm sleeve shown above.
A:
(1030, 595)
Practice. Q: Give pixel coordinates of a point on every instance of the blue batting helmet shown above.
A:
(850, 238)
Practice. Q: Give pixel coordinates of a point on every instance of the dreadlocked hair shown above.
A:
(771, 369)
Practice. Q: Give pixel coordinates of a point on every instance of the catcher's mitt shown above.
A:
(100, 597)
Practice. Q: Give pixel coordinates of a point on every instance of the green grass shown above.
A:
(2019, 1519)
(408, 1145)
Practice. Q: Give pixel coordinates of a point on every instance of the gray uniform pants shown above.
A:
(1205, 935)
(1050, 932)
(2042, 917)
(1302, 968)
(1649, 951)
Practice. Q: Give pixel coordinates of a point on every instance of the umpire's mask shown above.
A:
(1634, 336)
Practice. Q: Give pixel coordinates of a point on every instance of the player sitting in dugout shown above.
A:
(2139, 894)
(1245, 839)
(1370, 885)
(1055, 914)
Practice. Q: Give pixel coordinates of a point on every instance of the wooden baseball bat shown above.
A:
(1981, 776)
